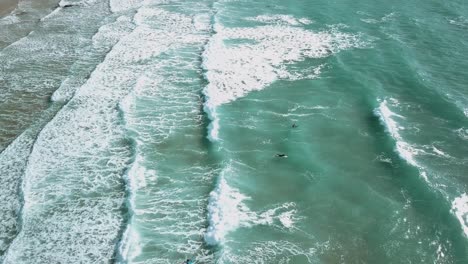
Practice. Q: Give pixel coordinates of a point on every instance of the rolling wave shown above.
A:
(410, 152)
(35, 66)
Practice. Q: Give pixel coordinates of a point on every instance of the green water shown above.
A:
(355, 199)
(171, 120)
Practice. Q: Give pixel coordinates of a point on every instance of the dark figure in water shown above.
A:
(294, 125)
(188, 261)
(281, 155)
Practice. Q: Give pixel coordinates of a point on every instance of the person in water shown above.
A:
(188, 261)
(281, 155)
(294, 125)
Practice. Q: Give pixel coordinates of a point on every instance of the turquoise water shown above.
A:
(139, 131)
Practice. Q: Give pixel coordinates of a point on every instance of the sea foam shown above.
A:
(162, 105)
(238, 61)
(120, 6)
(13, 162)
(74, 173)
(460, 209)
(281, 19)
(106, 37)
(403, 148)
(228, 210)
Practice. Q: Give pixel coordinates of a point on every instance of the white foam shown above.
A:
(386, 116)
(241, 60)
(213, 127)
(460, 209)
(440, 253)
(75, 169)
(462, 133)
(305, 21)
(383, 158)
(406, 151)
(12, 164)
(162, 31)
(202, 22)
(79, 2)
(66, 48)
(276, 251)
(440, 152)
(287, 219)
(130, 246)
(120, 6)
(459, 21)
(65, 91)
(107, 36)
(138, 174)
(281, 19)
(261, 56)
(9, 19)
(285, 214)
(52, 14)
(235, 70)
(111, 33)
(424, 175)
(226, 211)
(385, 18)
(136, 179)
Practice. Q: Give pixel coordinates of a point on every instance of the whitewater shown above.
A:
(232, 131)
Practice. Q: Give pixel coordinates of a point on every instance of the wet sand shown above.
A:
(6, 6)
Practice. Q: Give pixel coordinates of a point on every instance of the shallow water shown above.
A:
(148, 132)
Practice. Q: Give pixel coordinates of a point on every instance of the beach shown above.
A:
(269, 131)
(6, 6)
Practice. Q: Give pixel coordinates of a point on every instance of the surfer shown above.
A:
(294, 125)
(281, 155)
(67, 5)
(188, 261)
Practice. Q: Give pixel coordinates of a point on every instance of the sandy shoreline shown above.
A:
(6, 6)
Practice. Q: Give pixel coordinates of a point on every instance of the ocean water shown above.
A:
(234, 131)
